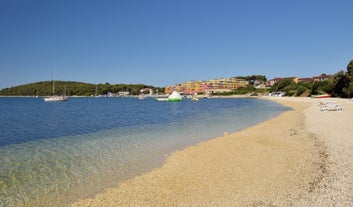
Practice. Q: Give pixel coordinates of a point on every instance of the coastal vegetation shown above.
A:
(291, 88)
(253, 79)
(72, 88)
(338, 85)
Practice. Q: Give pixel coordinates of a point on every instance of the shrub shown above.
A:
(300, 90)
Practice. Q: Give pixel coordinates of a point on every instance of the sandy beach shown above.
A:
(303, 157)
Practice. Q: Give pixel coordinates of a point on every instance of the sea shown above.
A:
(52, 154)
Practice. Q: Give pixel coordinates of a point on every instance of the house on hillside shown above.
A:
(305, 80)
(320, 78)
(272, 82)
(212, 86)
(169, 89)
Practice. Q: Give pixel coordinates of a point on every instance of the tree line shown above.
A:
(338, 85)
(72, 88)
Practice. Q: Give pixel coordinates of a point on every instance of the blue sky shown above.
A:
(164, 42)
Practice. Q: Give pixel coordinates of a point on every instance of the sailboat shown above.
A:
(55, 98)
(96, 93)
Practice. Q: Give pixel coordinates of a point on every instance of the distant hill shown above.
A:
(72, 89)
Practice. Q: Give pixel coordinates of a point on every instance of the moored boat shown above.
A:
(56, 98)
(161, 98)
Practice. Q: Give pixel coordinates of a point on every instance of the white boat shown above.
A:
(161, 98)
(56, 98)
(142, 96)
(96, 93)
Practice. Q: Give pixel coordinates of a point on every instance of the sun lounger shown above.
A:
(331, 107)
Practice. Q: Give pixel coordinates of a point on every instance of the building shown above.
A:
(213, 85)
(320, 78)
(192, 87)
(169, 89)
(272, 82)
(305, 80)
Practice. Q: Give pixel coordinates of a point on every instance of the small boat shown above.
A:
(142, 96)
(56, 98)
(161, 98)
(96, 95)
(194, 97)
(174, 97)
(321, 96)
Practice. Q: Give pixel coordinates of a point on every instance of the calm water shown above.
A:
(54, 153)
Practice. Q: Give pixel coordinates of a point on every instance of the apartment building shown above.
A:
(209, 86)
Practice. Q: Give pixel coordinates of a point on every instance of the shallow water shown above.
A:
(54, 153)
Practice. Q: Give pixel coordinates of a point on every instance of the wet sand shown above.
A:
(295, 159)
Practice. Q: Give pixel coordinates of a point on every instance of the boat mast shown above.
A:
(53, 80)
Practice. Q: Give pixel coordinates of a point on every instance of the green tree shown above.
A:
(336, 84)
(301, 90)
(347, 90)
(253, 79)
(281, 84)
(321, 88)
(72, 88)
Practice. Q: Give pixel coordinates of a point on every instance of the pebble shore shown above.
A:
(303, 157)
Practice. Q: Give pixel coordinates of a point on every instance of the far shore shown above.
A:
(199, 96)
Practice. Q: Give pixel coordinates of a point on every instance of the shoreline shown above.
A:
(282, 161)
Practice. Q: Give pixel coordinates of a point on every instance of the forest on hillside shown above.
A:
(72, 88)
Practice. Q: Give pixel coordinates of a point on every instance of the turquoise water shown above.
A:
(51, 154)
